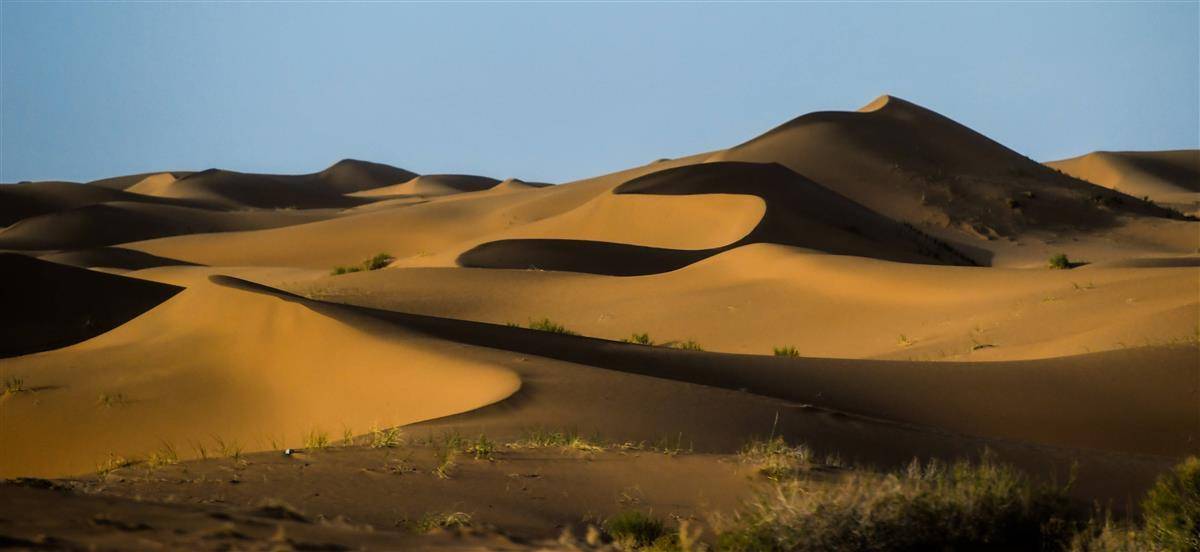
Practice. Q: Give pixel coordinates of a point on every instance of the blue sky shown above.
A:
(557, 92)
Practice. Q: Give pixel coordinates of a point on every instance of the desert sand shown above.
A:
(873, 284)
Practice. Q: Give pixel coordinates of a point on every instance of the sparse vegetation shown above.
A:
(14, 385)
(775, 458)
(228, 449)
(164, 456)
(634, 529)
(481, 448)
(547, 325)
(640, 339)
(316, 440)
(927, 506)
(112, 463)
(540, 438)
(688, 345)
(445, 456)
(1060, 261)
(905, 341)
(1171, 509)
(786, 352)
(374, 263)
(435, 521)
(385, 438)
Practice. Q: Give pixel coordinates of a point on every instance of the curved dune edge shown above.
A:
(239, 366)
(1137, 400)
(789, 209)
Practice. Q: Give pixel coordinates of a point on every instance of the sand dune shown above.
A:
(125, 182)
(755, 298)
(111, 258)
(244, 367)
(324, 189)
(914, 165)
(1168, 177)
(48, 306)
(121, 221)
(22, 201)
(432, 185)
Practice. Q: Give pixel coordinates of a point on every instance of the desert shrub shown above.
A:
(1171, 510)
(378, 261)
(1060, 261)
(164, 456)
(435, 521)
(316, 440)
(640, 339)
(688, 345)
(374, 263)
(385, 438)
(786, 352)
(775, 458)
(634, 529)
(928, 506)
(481, 448)
(547, 325)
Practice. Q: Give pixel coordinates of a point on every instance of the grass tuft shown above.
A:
(385, 438)
(547, 325)
(633, 529)
(1059, 262)
(164, 456)
(110, 400)
(688, 345)
(541, 438)
(640, 339)
(374, 263)
(14, 385)
(438, 521)
(1172, 508)
(931, 506)
(316, 440)
(786, 352)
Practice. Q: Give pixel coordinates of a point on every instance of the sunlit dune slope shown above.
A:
(48, 305)
(1132, 401)
(755, 298)
(431, 185)
(220, 363)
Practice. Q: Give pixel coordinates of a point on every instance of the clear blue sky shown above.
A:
(557, 92)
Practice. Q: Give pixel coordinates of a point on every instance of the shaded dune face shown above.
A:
(914, 165)
(123, 222)
(798, 212)
(48, 305)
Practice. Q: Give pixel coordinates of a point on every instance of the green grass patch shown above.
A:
(374, 263)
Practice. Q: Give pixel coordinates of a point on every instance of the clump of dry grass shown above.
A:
(928, 506)
(385, 438)
(568, 440)
(14, 385)
(437, 521)
(166, 455)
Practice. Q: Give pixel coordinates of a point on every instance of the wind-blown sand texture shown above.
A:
(900, 257)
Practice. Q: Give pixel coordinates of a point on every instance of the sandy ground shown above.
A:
(177, 330)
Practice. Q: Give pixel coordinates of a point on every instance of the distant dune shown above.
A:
(1166, 177)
